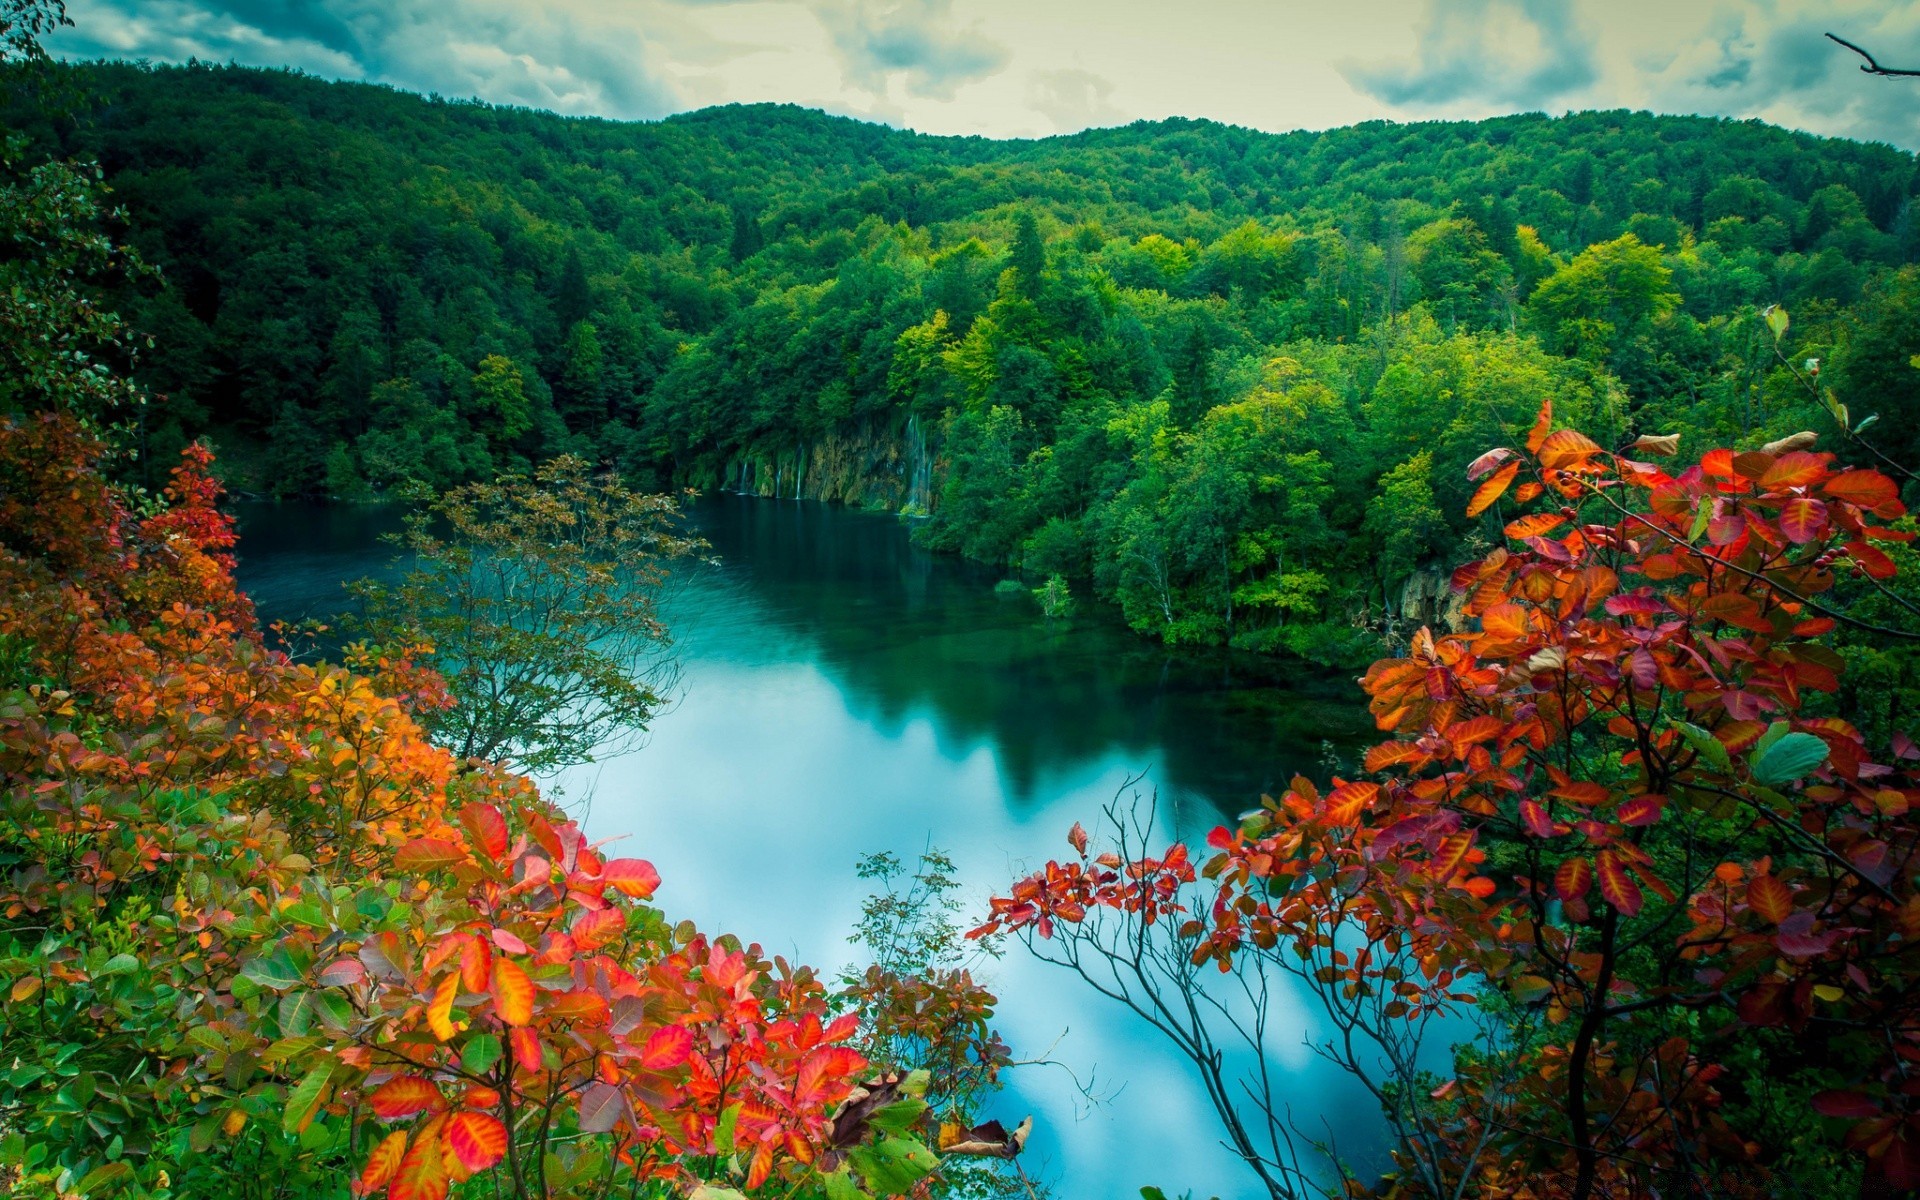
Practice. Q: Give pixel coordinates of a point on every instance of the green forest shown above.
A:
(1225, 380)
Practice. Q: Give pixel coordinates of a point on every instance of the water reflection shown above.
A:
(846, 692)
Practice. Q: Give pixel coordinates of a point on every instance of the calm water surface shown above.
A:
(846, 693)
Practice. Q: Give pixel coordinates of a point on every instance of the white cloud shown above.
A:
(1021, 68)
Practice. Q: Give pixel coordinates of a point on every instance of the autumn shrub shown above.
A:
(260, 935)
(1621, 834)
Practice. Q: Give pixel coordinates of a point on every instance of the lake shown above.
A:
(846, 692)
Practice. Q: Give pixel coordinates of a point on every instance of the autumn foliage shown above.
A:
(1619, 814)
(250, 914)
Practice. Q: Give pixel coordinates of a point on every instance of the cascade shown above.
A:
(800, 473)
(919, 468)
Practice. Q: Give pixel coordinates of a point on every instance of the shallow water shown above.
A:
(846, 692)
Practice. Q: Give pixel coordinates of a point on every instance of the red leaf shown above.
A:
(404, 1096)
(1573, 878)
(1868, 489)
(1871, 560)
(667, 1048)
(1539, 824)
(1616, 885)
(600, 1108)
(1487, 462)
(512, 992)
(428, 854)
(633, 876)
(488, 828)
(1641, 810)
(343, 972)
(1077, 838)
(1845, 1104)
(477, 1140)
(1771, 899)
(1803, 519)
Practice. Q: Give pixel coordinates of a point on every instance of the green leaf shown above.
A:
(276, 970)
(307, 913)
(893, 1165)
(915, 1084)
(723, 1130)
(899, 1116)
(1702, 515)
(1777, 321)
(840, 1186)
(304, 1101)
(1152, 1193)
(333, 1010)
(1774, 733)
(1707, 746)
(1794, 756)
(101, 1176)
(295, 1013)
(481, 1052)
(119, 964)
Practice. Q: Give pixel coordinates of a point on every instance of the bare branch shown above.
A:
(1871, 67)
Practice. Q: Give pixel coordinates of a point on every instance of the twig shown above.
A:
(1871, 67)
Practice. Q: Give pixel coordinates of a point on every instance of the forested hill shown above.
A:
(1229, 379)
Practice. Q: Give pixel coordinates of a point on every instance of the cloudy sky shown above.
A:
(1037, 67)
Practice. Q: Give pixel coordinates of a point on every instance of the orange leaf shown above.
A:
(476, 962)
(477, 1140)
(1567, 450)
(599, 928)
(1492, 489)
(512, 992)
(381, 1164)
(1541, 424)
(526, 1049)
(1346, 802)
(1451, 856)
(633, 876)
(488, 827)
(1505, 623)
(1770, 898)
(1797, 468)
(428, 854)
(1534, 524)
(422, 1174)
(440, 1008)
(1616, 885)
(667, 1048)
(404, 1096)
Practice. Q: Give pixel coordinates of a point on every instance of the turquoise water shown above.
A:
(846, 692)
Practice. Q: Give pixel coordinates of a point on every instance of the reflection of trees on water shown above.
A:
(907, 633)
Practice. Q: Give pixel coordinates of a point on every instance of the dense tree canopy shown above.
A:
(1136, 357)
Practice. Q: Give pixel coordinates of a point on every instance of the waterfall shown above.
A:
(800, 473)
(919, 468)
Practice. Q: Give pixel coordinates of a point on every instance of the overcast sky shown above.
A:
(1036, 67)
